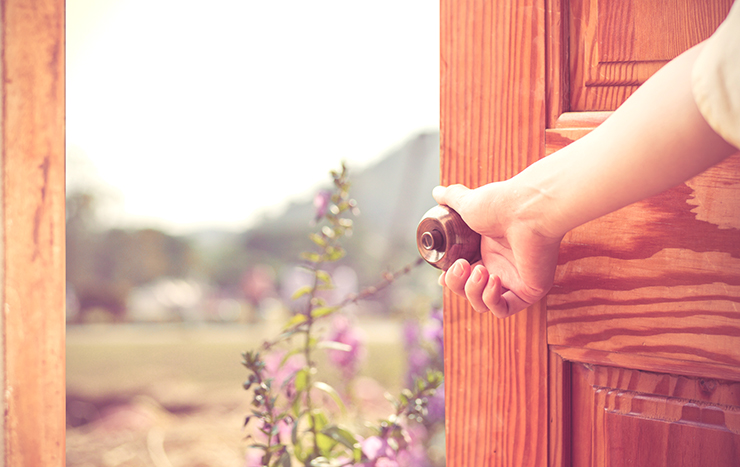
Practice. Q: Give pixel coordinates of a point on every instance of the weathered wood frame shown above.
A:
(32, 222)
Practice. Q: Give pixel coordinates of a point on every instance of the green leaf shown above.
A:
(357, 454)
(323, 311)
(333, 394)
(333, 345)
(334, 253)
(284, 460)
(312, 257)
(323, 277)
(305, 290)
(301, 379)
(295, 321)
(319, 240)
(318, 420)
(294, 433)
(341, 435)
(325, 443)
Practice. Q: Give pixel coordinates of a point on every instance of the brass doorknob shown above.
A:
(442, 238)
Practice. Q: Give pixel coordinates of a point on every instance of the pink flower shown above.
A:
(414, 454)
(254, 457)
(385, 462)
(348, 360)
(376, 448)
(281, 372)
(321, 203)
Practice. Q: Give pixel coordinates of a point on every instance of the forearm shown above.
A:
(655, 140)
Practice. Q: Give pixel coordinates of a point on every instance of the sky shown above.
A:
(188, 115)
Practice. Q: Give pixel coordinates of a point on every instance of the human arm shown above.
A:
(655, 140)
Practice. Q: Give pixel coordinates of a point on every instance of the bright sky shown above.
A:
(191, 114)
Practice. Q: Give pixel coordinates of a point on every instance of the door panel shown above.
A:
(660, 277)
(626, 417)
(643, 322)
(615, 45)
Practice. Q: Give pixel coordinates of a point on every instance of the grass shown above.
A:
(123, 359)
(176, 389)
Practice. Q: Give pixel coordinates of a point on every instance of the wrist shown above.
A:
(536, 202)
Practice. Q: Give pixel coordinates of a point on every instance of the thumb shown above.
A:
(451, 196)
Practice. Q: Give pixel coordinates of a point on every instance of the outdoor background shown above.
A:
(197, 138)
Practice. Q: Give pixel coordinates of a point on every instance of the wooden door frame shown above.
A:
(33, 232)
(492, 102)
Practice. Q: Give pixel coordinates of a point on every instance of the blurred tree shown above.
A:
(104, 265)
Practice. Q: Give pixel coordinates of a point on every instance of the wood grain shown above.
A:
(557, 92)
(560, 410)
(33, 228)
(614, 46)
(660, 277)
(646, 362)
(492, 126)
(627, 417)
(651, 287)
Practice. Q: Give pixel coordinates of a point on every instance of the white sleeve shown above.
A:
(716, 78)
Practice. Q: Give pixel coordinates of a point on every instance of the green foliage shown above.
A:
(294, 402)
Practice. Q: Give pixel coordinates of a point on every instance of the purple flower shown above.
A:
(376, 448)
(321, 203)
(433, 331)
(254, 455)
(385, 462)
(411, 334)
(414, 455)
(418, 363)
(347, 360)
(436, 406)
(281, 372)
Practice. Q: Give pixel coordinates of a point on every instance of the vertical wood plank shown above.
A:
(560, 410)
(492, 126)
(33, 230)
(557, 88)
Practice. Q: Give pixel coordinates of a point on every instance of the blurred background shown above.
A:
(197, 138)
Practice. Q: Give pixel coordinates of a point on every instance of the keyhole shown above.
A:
(432, 240)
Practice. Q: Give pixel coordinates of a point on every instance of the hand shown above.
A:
(518, 260)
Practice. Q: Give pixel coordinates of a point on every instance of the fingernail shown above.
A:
(457, 269)
(476, 276)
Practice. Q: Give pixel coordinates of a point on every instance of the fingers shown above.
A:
(474, 283)
(451, 196)
(456, 276)
(475, 286)
(485, 293)
(483, 290)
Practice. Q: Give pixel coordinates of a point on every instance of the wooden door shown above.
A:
(634, 358)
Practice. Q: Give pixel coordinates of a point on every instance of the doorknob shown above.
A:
(442, 238)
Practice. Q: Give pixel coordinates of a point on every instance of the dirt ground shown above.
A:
(171, 396)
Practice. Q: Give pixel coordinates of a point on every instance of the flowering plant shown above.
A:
(293, 426)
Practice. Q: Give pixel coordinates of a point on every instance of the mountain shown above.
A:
(392, 195)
